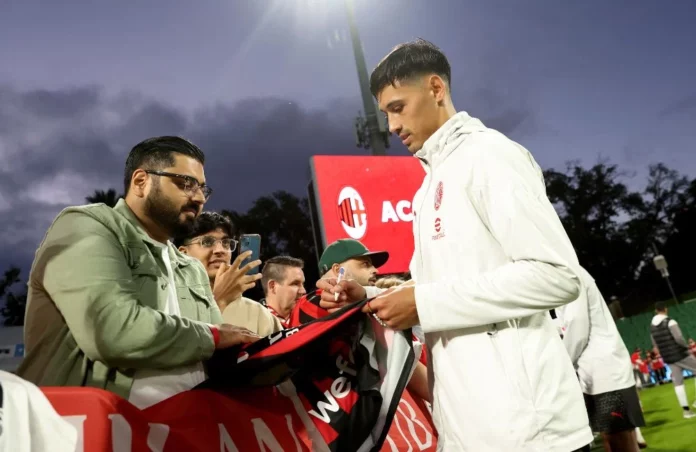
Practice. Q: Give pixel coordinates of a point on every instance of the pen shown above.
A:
(341, 273)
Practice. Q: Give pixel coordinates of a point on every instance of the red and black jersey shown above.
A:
(308, 309)
(335, 369)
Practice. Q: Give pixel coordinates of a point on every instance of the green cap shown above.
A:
(345, 249)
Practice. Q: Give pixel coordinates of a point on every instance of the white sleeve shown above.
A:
(372, 292)
(576, 326)
(511, 201)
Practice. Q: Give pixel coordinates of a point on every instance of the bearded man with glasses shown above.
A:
(212, 244)
(112, 303)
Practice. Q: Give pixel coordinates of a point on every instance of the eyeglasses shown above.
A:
(188, 184)
(209, 242)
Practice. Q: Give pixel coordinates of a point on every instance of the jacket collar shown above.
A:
(445, 140)
(175, 256)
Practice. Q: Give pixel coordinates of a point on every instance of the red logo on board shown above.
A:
(438, 196)
(351, 211)
(437, 225)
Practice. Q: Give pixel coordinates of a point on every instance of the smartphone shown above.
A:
(250, 242)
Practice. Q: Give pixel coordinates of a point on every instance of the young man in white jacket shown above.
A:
(604, 368)
(491, 259)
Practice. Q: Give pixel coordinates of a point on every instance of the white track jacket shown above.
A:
(491, 259)
(593, 342)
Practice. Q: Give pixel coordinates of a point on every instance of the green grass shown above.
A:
(665, 429)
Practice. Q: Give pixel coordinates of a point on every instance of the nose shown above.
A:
(394, 127)
(302, 292)
(219, 249)
(197, 196)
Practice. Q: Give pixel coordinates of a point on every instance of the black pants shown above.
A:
(584, 449)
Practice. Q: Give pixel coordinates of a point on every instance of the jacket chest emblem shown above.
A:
(438, 196)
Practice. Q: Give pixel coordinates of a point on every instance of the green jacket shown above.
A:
(95, 290)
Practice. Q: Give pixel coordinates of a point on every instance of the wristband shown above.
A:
(216, 334)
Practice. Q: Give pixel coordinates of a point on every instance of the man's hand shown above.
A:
(348, 292)
(396, 308)
(231, 335)
(231, 281)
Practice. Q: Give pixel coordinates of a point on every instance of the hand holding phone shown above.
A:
(250, 242)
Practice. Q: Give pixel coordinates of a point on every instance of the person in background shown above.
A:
(211, 242)
(637, 362)
(603, 366)
(669, 341)
(658, 367)
(112, 303)
(283, 284)
(491, 258)
(389, 282)
(361, 266)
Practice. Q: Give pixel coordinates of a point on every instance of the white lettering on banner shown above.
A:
(288, 418)
(79, 423)
(226, 443)
(264, 437)
(157, 436)
(398, 213)
(412, 420)
(121, 434)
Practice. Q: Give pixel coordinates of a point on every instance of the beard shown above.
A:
(166, 213)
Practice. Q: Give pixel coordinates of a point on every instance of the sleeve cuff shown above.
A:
(372, 292)
(216, 334)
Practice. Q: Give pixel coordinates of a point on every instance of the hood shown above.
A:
(446, 139)
(658, 319)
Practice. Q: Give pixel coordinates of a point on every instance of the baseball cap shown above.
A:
(344, 249)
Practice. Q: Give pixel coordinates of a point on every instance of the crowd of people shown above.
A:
(134, 299)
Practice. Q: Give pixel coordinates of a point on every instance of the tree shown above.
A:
(591, 204)
(108, 197)
(283, 220)
(15, 305)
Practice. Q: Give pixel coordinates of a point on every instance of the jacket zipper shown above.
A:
(429, 175)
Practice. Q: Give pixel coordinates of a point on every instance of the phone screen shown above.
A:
(250, 242)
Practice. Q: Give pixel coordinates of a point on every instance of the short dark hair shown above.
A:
(660, 306)
(157, 153)
(407, 61)
(274, 269)
(205, 223)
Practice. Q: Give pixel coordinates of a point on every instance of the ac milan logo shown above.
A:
(351, 211)
(438, 196)
(437, 225)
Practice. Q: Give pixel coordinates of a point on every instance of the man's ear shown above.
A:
(139, 183)
(271, 286)
(183, 249)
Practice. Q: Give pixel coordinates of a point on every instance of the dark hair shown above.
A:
(274, 269)
(407, 61)
(660, 306)
(157, 153)
(205, 223)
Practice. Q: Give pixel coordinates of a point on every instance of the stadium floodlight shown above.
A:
(373, 126)
(661, 266)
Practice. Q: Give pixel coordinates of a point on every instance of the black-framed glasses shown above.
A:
(188, 184)
(208, 241)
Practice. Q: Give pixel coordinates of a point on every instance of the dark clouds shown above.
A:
(56, 147)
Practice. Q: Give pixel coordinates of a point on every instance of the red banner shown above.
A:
(259, 419)
(368, 199)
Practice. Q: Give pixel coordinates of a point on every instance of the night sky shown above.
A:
(261, 85)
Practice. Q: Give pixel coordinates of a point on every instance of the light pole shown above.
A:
(661, 266)
(371, 131)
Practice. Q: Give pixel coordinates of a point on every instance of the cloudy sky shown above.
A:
(261, 85)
